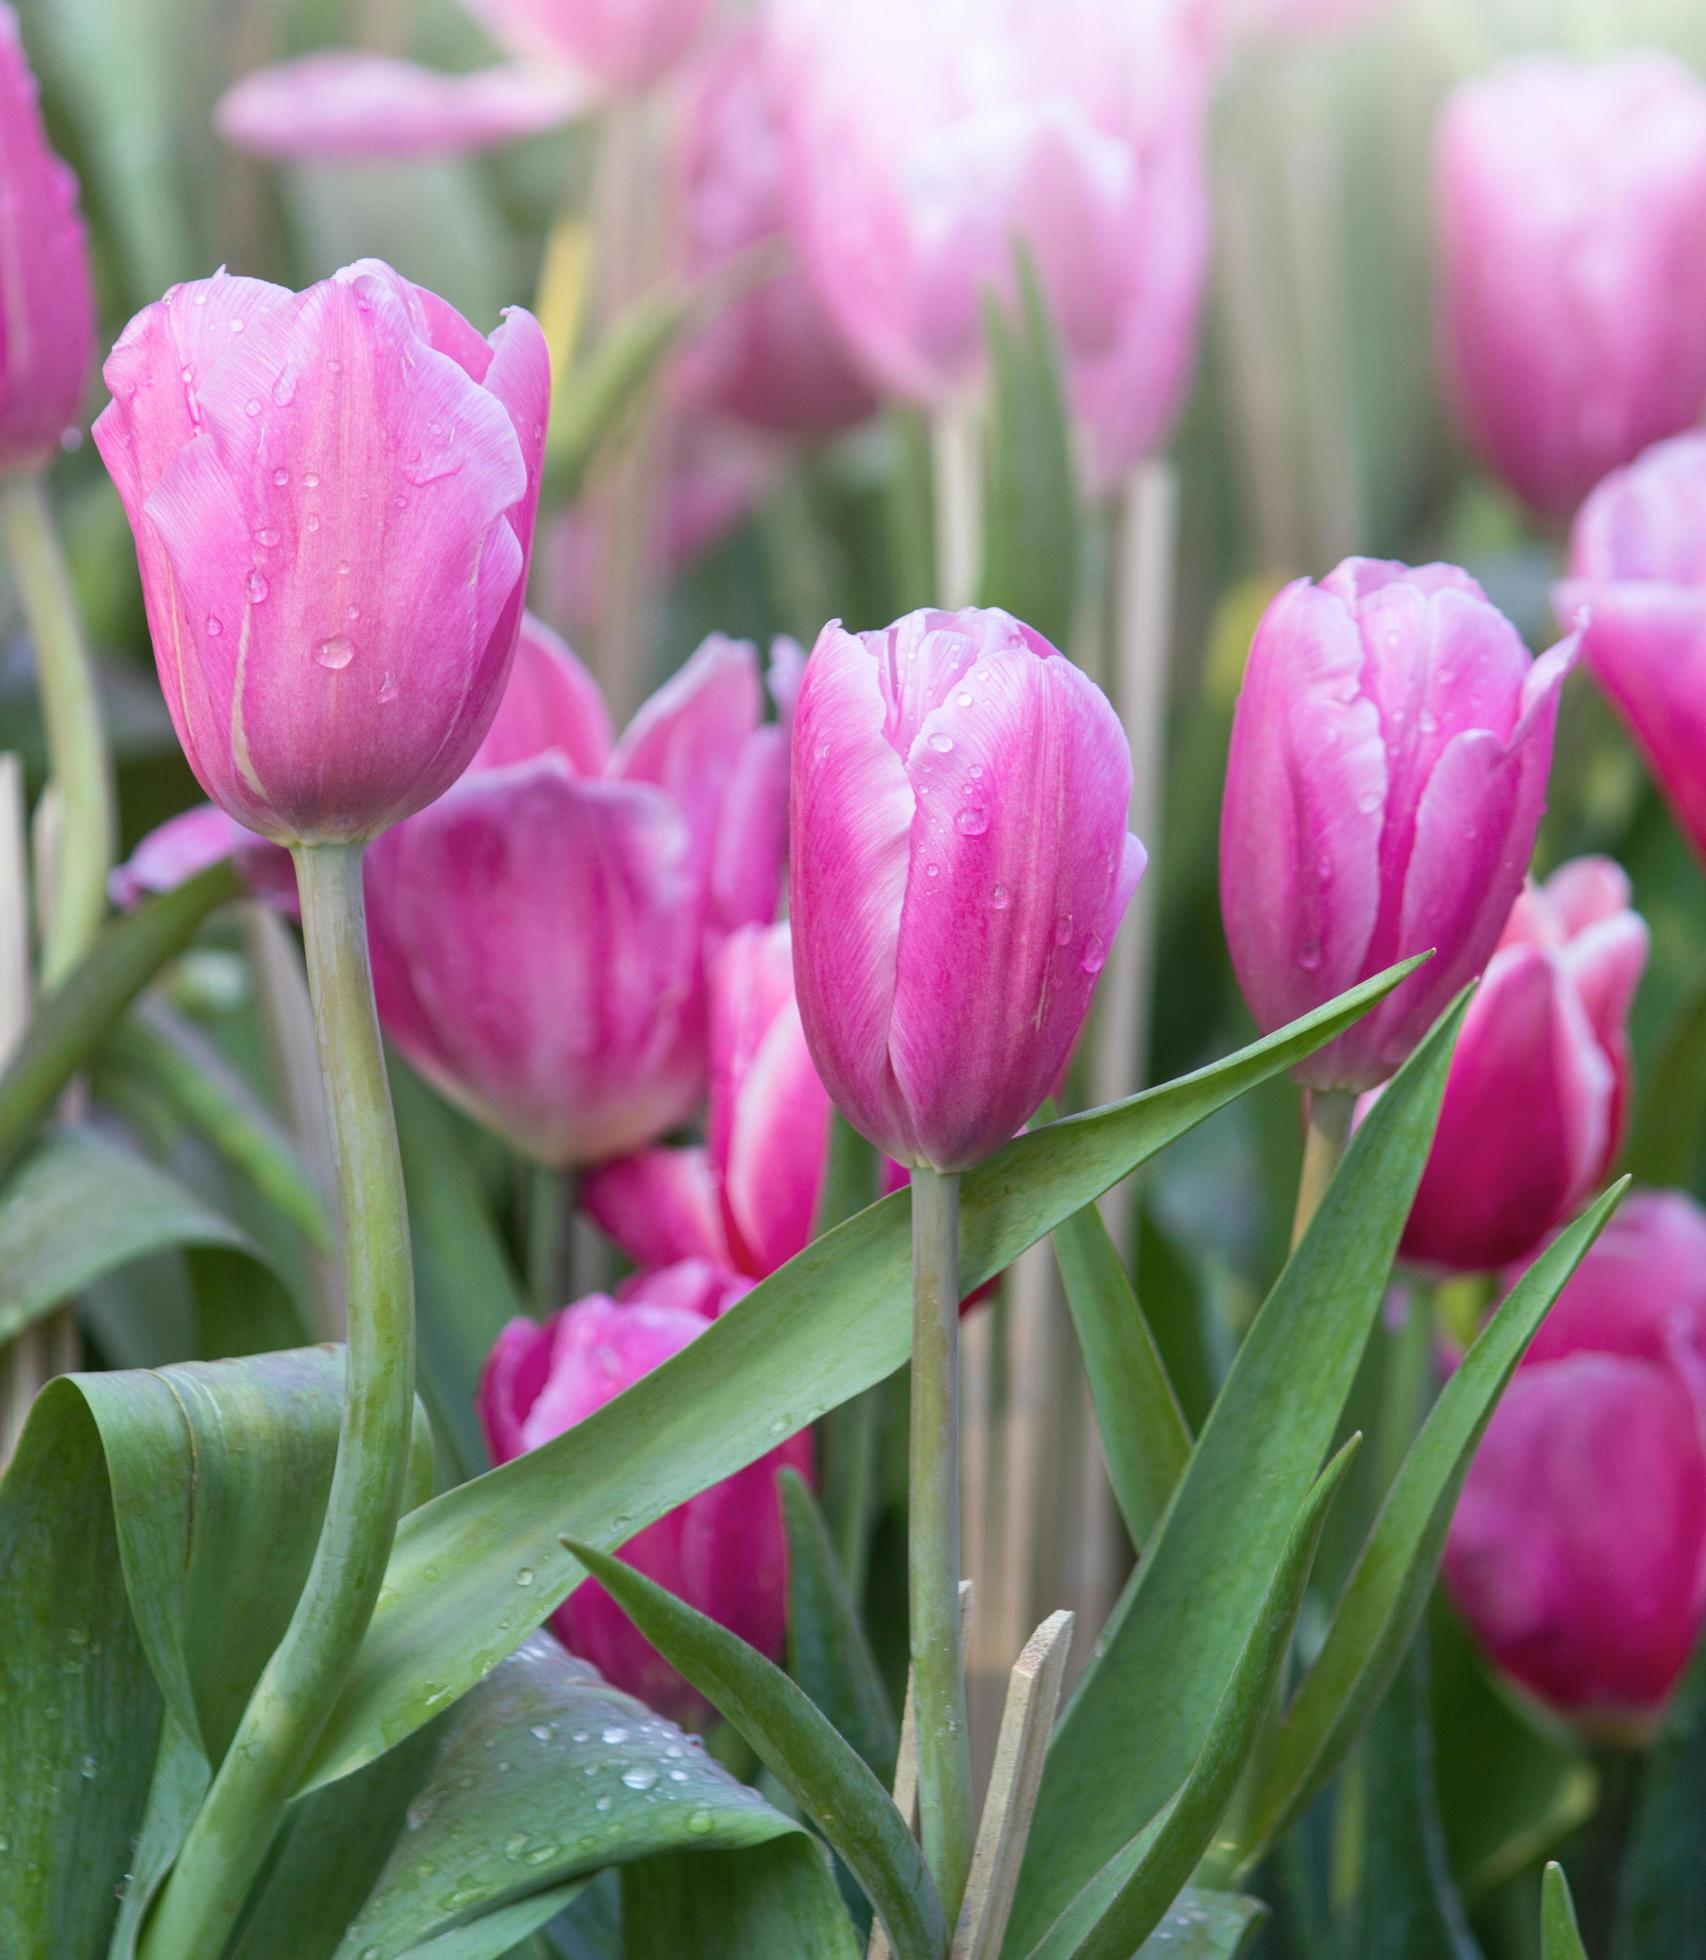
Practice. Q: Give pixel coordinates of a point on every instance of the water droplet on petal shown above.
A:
(1063, 929)
(236, 325)
(1093, 955)
(311, 522)
(1369, 802)
(310, 480)
(336, 652)
(971, 822)
(942, 744)
(388, 692)
(1309, 955)
(257, 587)
(214, 628)
(281, 477)
(252, 406)
(962, 699)
(1000, 899)
(267, 536)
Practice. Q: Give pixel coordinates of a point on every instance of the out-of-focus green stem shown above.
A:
(1327, 1130)
(545, 1226)
(78, 762)
(228, 1839)
(933, 1538)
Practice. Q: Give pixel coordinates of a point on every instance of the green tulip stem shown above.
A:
(1327, 1129)
(78, 763)
(230, 1835)
(933, 1538)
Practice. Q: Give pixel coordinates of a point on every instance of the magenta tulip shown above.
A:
(1637, 591)
(1578, 1551)
(1539, 1084)
(1387, 774)
(47, 313)
(539, 933)
(1570, 204)
(960, 865)
(724, 1551)
(926, 140)
(332, 494)
(772, 357)
(191, 842)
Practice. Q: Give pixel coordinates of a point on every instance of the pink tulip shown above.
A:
(925, 140)
(1386, 777)
(191, 842)
(47, 314)
(332, 494)
(621, 44)
(960, 865)
(1570, 203)
(1539, 1084)
(748, 1198)
(1637, 591)
(772, 357)
(539, 932)
(1578, 1552)
(724, 1551)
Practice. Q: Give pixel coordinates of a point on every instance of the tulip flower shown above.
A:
(771, 358)
(47, 312)
(1636, 589)
(1578, 1551)
(332, 494)
(1539, 1084)
(926, 141)
(539, 932)
(1387, 773)
(960, 865)
(1570, 203)
(173, 852)
(724, 1551)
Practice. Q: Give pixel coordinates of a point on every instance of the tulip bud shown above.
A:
(1386, 777)
(926, 140)
(960, 865)
(332, 494)
(1578, 1551)
(621, 44)
(1571, 211)
(1539, 1083)
(1636, 591)
(723, 1551)
(190, 842)
(538, 934)
(47, 314)
(772, 357)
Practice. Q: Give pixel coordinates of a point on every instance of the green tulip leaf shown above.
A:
(831, 1322)
(1143, 1712)
(776, 1899)
(1388, 1591)
(1560, 1937)
(1202, 1925)
(1662, 1898)
(1126, 1901)
(796, 1742)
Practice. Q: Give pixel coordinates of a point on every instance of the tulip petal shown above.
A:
(775, 1148)
(353, 106)
(510, 1383)
(687, 736)
(659, 1206)
(549, 702)
(752, 833)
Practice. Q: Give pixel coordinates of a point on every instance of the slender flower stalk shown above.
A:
(234, 1827)
(78, 761)
(933, 1536)
(1327, 1129)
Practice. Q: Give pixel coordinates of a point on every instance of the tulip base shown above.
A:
(1328, 1115)
(232, 1831)
(933, 1538)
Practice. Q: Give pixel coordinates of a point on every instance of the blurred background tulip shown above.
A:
(1570, 200)
(1578, 1549)
(723, 1551)
(539, 935)
(960, 865)
(1636, 586)
(1538, 1094)
(332, 495)
(47, 314)
(1386, 778)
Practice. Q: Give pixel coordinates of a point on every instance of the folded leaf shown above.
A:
(1202, 1925)
(778, 1899)
(1144, 1711)
(795, 1742)
(831, 1322)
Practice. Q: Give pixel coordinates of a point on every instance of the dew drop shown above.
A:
(699, 1822)
(284, 390)
(601, 1803)
(252, 406)
(214, 628)
(281, 477)
(336, 652)
(641, 1777)
(334, 365)
(976, 772)
(540, 1732)
(352, 614)
(343, 568)
(1093, 954)
(388, 692)
(1063, 929)
(541, 1854)
(266, 536)
(258, 587)
(1000, 899)
(1309, 955)
(236, 324)
(1369, 802)
(88, 1769)
(932, 871)
(962, 699)
(971, 822)
(311, 480)
(942, 744)
(614, 1734)
(311, 522)
(525, 1576)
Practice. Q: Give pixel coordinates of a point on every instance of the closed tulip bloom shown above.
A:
(772, 357)
(539, 933)
(926, 141)
(1386, 777)
(1570, 204)
(332, 494)
(1578, 1550)
(1636, 589)
(1539, 1084)
(47, 313)
(959, 867)
(621, 44)
(723, 1551)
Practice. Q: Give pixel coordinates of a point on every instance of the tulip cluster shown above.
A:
(1578, 1550)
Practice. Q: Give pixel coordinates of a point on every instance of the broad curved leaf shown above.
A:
(831, 1322)
(725, 1905)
